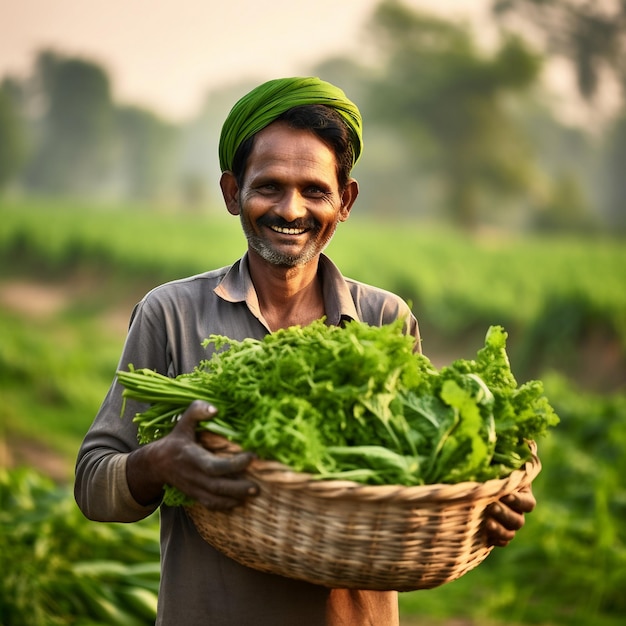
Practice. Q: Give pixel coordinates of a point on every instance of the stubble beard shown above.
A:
(273, 256)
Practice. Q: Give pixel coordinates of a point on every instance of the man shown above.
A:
(286, 152)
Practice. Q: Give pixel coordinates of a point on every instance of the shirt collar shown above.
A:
(237, 286)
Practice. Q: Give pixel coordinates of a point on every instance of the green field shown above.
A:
(69, 276)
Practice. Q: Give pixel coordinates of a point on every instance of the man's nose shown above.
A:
(292, 205)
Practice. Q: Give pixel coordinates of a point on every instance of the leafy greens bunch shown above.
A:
(356, 403)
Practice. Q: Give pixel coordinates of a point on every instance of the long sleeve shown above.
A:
(101, 488)
(102, 491)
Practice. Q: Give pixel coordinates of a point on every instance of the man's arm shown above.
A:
(119, 480)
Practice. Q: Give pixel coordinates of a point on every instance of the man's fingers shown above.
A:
(197, 411)
(221, 493)
(218, 503)
(220, 476)
(502, 524)
(522, 501)
(214, 480)
(497, 535)
(237, 488)
(215, 465)
(506, 517)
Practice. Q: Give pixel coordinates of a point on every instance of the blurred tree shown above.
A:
(590, 33)
(347, 72)
(74, 136)
(12, 134)
(448, 99)
(615, 178)
(145, 160)
(592, 36)
(198, 157)
(565, 208)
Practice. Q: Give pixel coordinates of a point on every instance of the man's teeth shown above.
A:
(288, 231)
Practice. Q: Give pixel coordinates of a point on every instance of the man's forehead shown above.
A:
(281, 141)
(281, 151)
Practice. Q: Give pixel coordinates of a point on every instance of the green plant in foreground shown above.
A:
(59, 568)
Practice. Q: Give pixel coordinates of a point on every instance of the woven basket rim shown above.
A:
(279, 474)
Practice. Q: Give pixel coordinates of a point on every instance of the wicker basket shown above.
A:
(342, 534)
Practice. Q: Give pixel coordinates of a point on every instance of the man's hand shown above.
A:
(180, 461)
(506, 517)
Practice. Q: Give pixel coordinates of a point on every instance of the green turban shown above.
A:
(265, 103)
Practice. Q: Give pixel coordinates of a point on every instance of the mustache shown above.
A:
(278, 222)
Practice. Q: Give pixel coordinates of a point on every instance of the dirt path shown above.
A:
(32, 299)
(22, 452)
(38, 300)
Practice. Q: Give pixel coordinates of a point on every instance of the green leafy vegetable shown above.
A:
(356, 402)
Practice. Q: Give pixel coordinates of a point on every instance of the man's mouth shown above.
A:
(288, 231)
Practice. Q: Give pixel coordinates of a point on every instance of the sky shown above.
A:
(167, 55)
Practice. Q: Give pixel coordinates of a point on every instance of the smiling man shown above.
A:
(290, 188)
(286, 152)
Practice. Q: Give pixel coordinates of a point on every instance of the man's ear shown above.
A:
(348, 198)
(230, 192)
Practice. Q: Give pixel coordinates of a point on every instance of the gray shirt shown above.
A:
(199, 585)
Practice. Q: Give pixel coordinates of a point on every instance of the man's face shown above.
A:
(290, 202)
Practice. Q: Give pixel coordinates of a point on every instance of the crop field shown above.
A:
(69, 276)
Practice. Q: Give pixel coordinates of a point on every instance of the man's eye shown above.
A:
(268, 187)
(316, 192)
